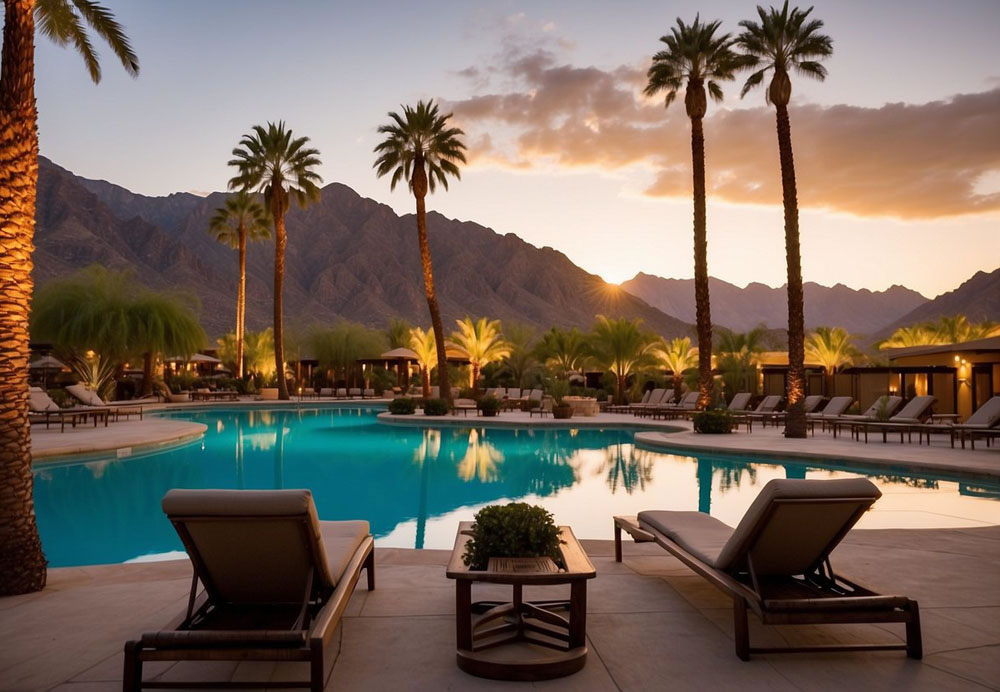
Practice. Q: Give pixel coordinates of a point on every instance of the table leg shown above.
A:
(618, 543)
(463, 613)
(578, 614)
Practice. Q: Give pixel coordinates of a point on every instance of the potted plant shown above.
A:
(489, 406)
(559, 389)
(513, 530)
(403, 406)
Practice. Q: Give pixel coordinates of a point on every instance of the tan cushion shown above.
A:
(86, 396)
(915, 410)
(701, 535)
(987, 415)
(740, 401)
(794, 537)
(39, 400)
(341, 540)
(836, 406)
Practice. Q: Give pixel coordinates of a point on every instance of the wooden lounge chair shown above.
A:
(42, 409)
(688, 404)
(916, 411)
(740, 401)
(88, 397)
(276, 583)
(624, 408)
(883, 406)
(658, 398)
(777, 561)
(983, 424)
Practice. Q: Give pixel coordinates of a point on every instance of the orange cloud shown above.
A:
(902, 160)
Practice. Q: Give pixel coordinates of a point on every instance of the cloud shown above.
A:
(902, 160)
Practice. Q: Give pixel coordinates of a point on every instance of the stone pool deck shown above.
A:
(652, 624)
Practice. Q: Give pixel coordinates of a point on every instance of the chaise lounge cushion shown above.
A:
(786, 539)
(341, 539)
(701, 535)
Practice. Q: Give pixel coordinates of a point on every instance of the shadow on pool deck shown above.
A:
(651, 624)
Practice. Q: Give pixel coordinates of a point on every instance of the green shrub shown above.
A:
(402, 406)
(489, 405)
(514, 530)
(713, 422)
(435, 407)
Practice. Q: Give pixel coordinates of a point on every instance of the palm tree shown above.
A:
(520, 360)
(22, 563)
(562, 350)
(420, 147)
(697, 59)
(482, 342)
(240, 219)
(738, 357)
(423, 345)
(398, 333)
(270, 161)
(956, 329)
(832, 348)
(259, 352)
(782, 41)
(676, 355)
(622, 348)
(917, 335)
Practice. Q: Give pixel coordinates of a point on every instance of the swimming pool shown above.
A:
(415, 484)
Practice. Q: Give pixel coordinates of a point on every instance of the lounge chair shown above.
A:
(658, 397)
(326, 392)
(42, 409)
(435, 392)
(276, 582)
(354, 393)
(544, 409)
(834, 407)
(624, 408)
(687, 405)
(883, 406)
(740, 401)
(88, 397)
(916, 411)
(777, 560)
(368, 393)
(983, 424)
(342, 392)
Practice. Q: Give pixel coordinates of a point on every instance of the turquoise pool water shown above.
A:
(414, 485)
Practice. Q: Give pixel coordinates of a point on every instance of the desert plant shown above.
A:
(482, 342)
(513, 530)
(403, 406)
(622, 348)
(489, 405)
(436, 407)
(713, 421)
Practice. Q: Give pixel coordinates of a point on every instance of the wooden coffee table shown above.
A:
(522, 640)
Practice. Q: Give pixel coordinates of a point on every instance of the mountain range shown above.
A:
(353, 258)
(741, 309)
(348, 257)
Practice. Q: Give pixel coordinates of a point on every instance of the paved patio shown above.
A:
(652, 624)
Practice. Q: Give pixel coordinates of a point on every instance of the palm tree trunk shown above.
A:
(703, 316)
(419, 190)
(241, 306)
(425, 381)
(22, 563)
(280, 241)
(147, 374)
(474, 385)
(795, 421)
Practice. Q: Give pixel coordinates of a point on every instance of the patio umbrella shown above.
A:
(47, 364)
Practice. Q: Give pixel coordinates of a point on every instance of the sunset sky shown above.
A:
(897, 153)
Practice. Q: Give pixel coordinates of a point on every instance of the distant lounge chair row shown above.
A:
(276, 581)
(343, 393)
(42, 409)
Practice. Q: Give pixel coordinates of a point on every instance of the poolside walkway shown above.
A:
(652, 624)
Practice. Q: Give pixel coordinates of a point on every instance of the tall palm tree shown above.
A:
(622, 348)
(783, 41)
(696, 58)
(239, 220)
(676, 355)
(22, 563)
(482, 342)
(269, 160)
(831, 347)
(424, 345)
(421, 148)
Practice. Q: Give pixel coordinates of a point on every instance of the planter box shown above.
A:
(179, 398)
(562, 412)
(269, 393)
